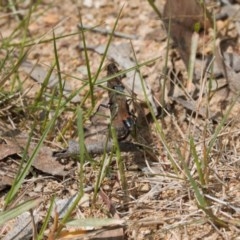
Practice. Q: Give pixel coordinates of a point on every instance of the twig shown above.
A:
(220, 201)
(107, 32)
(96, 147)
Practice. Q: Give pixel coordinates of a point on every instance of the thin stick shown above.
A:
(95, 147)
(107, 32)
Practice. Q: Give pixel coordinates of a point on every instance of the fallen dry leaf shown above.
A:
(44, 161)
(23, 226)
(228, 71)
(39, 74)
(8, 149)
(181, 17)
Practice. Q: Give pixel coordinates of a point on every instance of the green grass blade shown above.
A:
(104, 164)
(94, 81)
(46, 220)
(108, 45)
(19, 180)
(81, 145)
(220, 126)
(23, 171)
(152, 4)
(81, 173)
(7, 215)
(61, 85)
(13, 69)
(91, 82)
(159, 130)
(120, 165)
(199, 195)
(197, 161)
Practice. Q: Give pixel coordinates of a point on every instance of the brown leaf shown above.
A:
(224, 64)
(192, 106)
(8, 149)
(182, 15)
(23, 226)
(44, 161)
(8, 169)
(110, 205)
(39, 74)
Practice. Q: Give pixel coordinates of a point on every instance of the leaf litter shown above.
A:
(170, 210)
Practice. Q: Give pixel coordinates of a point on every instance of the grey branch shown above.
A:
(97, 147)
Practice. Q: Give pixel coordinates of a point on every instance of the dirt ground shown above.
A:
(163, 202)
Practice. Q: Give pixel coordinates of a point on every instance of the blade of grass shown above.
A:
(202, 201)
(44, 85)
(121, 170)
(165, 75)
(61, 85)
(101, 63)
(13, 69)
(81, 145)
(104, 164)
(91, 81)
(159, 130)
(197, 161)
(220, 126)
(199, 195)
(20, 178)
(120, 73)
(152, 4)
(33, 42)
(46, 219)
(108, 44)
(23, 172)
(7, 215)
(22, 28)
(81, 174)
